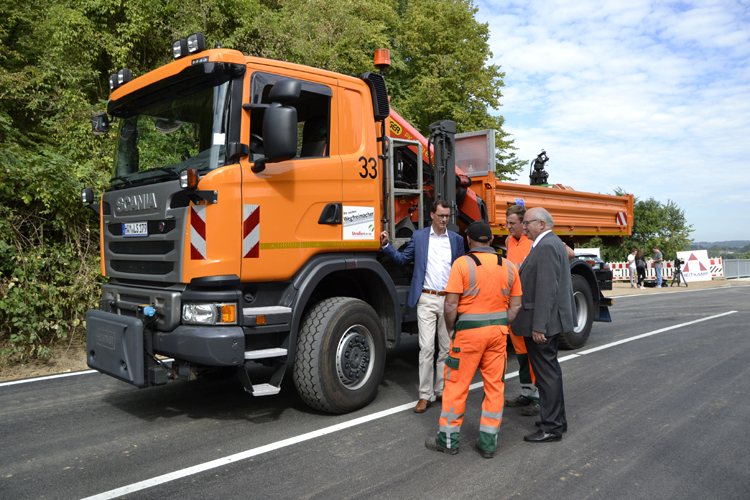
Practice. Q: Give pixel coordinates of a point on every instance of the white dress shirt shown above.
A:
(438, 261)
(539, 238)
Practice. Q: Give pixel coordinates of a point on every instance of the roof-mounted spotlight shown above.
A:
(120, 78)
(196, 43)
(179, 48)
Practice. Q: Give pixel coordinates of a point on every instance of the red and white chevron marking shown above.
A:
(198, 232)
(622, 218)
(251, 231)
(717, 268)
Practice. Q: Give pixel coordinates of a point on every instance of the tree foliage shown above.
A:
(654, 224)
(55, 60)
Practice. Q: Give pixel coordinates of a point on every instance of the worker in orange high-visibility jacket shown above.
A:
(483, 296)
(518, 247)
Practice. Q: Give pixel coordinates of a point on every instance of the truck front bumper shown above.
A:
(203, 345)
(115, 345)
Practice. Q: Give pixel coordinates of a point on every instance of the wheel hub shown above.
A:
(353, 357)
(582, 311)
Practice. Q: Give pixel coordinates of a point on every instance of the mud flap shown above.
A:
(114, 345)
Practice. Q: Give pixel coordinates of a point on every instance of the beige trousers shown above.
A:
(430, 318)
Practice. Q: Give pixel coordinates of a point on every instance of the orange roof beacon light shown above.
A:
(382, 59)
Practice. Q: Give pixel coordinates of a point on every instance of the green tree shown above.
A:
(440, 71)
(654, 224)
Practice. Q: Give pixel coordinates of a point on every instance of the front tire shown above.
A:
(340, 355)
(584, 303)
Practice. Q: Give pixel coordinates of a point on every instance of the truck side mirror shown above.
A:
(285, 90)
(279, 136)
(100, 124)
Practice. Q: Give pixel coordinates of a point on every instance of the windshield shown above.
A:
(171, 134)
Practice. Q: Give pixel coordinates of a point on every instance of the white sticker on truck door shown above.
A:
(359, 223)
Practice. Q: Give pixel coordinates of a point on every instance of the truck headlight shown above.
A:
(209, 314)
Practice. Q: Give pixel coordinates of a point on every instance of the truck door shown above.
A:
(289, 208)
(362, 169)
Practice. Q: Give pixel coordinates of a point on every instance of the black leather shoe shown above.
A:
(538, 423)
(542, 437)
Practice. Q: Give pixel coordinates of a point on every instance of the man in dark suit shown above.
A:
(547, 311)
(433, 250)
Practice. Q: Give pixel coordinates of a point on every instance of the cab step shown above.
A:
(274, 385)
(265, 390)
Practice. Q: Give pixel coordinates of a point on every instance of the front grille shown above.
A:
(155, 258)
(136, 299)
(136, 247)
(139, 267)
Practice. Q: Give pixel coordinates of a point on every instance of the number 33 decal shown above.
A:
(373, 165)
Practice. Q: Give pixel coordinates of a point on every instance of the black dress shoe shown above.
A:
(542, 437)
(538, 423)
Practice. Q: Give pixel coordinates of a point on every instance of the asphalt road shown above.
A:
(663, 415)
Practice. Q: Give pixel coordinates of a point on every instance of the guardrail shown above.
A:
(737, 268)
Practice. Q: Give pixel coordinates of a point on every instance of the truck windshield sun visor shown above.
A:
(177, 123)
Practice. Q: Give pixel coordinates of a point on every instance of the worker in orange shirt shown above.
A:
(483, 296)
(518, 247)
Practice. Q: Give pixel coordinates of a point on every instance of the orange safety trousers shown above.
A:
(483, 348)
(523, 359)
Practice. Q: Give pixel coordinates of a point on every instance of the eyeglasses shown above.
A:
(442, 216)
(527, 222)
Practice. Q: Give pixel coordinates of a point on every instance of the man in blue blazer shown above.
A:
(433, 250)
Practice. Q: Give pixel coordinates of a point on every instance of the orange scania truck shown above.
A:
(241, 226)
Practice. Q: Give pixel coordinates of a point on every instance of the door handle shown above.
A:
(331, 214)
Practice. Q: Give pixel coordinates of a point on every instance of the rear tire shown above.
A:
(584, 303)
(340, 355)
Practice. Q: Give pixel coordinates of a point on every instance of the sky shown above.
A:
(650, 97)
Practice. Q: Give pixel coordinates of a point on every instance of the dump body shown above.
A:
(578, 215)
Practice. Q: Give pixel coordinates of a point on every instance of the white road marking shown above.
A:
(189, 471)
(58, 375)
(48, 377)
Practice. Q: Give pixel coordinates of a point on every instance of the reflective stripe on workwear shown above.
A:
(451, 416)
(472, 291)
(489, 429)
(472, 263)
(494, 416)
(448, 435)
(469, 321)
(506, 291)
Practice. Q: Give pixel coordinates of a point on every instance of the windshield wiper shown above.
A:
(172, 173)
(123, 179)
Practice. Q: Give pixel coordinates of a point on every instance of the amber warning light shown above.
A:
(382, 59)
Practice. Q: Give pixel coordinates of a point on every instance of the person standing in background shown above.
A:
(658, 259)
(640, 267)
(518, 247)
(632, 267)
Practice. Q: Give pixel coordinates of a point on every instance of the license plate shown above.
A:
(135, 229)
